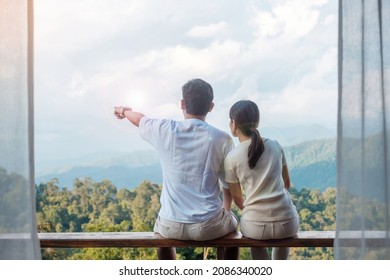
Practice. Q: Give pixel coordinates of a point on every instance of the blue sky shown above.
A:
(93, 55)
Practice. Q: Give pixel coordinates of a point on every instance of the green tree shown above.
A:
(100, 207)
(145, 206)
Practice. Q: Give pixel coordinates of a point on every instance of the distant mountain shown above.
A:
(294, 135)
(312, 164)
(121, 176)
(101, 159)
(124, 170)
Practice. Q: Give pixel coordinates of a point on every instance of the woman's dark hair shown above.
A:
(246, 115)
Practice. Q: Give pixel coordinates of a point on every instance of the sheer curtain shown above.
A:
(363, 183)
(18, 232)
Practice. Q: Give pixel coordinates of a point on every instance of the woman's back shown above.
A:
(258, 166)
(266, 197)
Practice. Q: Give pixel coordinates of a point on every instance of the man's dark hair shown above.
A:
(198, 96)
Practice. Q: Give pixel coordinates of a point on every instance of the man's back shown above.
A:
(192, 154)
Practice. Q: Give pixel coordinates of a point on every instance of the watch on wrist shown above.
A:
(124, 110)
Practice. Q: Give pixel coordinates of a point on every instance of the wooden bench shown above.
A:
(150, 239)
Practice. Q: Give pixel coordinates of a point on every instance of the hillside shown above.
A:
(124, 170)
(312, 164)
(100, 206)
(294, 135)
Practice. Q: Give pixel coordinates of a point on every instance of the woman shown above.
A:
(258, 166)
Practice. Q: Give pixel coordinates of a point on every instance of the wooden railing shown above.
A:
(150, 239)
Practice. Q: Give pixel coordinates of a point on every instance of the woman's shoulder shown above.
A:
(239, 151)
(272, 143)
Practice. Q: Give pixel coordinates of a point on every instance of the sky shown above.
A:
(93, 55)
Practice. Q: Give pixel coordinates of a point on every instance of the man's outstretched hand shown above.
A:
(119, 112)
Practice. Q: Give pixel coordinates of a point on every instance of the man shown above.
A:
(192, 153)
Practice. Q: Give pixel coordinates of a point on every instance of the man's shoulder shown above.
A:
(151, 126)
(219, 132)
(221, 140)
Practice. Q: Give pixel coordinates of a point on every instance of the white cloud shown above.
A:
(77, 85)
(91, 57)
(265, 24)
(311, 97)
(315, 95)
(210, 30)
(82, 25)
(290, 19)
(330, 19)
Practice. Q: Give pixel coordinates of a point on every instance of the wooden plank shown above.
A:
(150, 239)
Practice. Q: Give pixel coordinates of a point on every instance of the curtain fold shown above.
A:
(18, 231)
(363, 187)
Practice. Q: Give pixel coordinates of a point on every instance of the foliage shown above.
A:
(99, 207)
(312, 164)
(317, 211)
(93, 207)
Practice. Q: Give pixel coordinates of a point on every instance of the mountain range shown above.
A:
(312, 164)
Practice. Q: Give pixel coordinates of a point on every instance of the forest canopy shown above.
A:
(98, 206)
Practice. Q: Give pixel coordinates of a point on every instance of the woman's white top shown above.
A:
(266, 198)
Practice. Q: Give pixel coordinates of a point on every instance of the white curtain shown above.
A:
(363, 183)
(18, 232)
